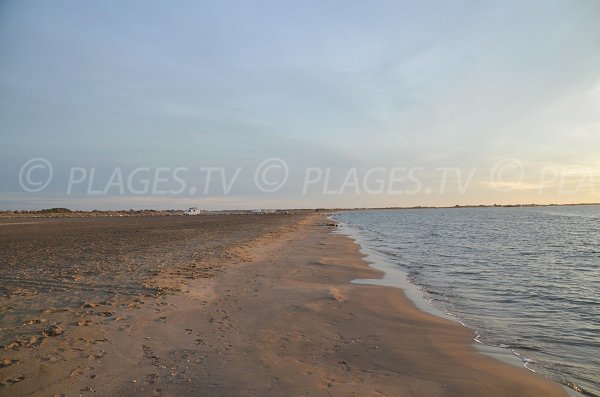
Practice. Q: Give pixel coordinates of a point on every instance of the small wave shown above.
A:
(525, 347)
(526, 361)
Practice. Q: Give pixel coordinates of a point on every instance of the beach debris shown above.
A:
(53, 330)
(14, 380)
(337, 294)
(33, 340)
(12, 345)
(75, 372)
(22, 342)
(54, 310)
(7, 362)
(36, 321)
(88, 305)
(152, 378)
(98, 354)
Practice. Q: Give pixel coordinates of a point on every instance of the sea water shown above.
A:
(526, 279)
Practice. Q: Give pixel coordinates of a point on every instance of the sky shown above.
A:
(275, 104)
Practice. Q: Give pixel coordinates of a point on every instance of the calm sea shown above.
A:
(525, 279)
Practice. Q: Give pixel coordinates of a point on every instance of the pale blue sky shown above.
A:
(324, 83)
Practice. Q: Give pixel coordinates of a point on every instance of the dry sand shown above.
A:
(238, 305)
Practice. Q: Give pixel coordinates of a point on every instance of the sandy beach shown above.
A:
(221, 305)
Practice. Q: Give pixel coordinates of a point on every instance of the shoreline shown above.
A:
(279, 316)
(396, 278)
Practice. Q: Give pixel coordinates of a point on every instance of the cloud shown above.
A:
(319, 84)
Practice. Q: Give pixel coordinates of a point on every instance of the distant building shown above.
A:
(193, 211)
(263, 211)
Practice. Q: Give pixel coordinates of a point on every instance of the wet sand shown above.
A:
(237, 305)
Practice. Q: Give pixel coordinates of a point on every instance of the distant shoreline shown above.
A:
(65, 212)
